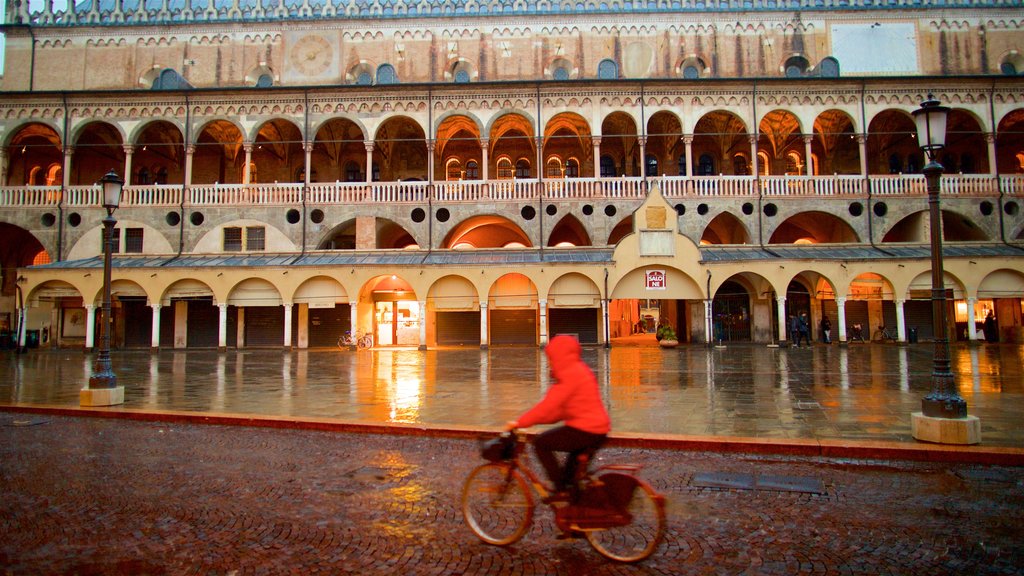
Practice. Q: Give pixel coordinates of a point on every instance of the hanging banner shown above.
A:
(655, 280)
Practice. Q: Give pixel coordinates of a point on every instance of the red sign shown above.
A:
(655, 280)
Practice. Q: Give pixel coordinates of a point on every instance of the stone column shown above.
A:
(709, 322)
(287, 325)
(431, 159)
(540, 158)
(66, 170)
(423, 325)
(222, 326)
(604, 339)
(808, 138)
(3, 166)
(862, 145)
(354, 319)
(369, 160)
(308, 148)
(247, 146)
(754, 160)
(485, 171)
(90, 326)
(483, 325)
(990, 139)
(597, 156)
(543, 324)
(190, 151)
(128, 152)
(642, 140)
(154, 339)
(688, 144)
(901, 329)
(972, 332)
(303, 335)
(780, 307)
(841, 311)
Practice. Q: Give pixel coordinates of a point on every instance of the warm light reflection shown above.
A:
(405, 399)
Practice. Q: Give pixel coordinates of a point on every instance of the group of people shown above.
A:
(800, 329)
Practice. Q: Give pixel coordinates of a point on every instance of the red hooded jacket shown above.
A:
(573, 396)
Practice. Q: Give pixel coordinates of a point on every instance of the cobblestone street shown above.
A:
(91, 496)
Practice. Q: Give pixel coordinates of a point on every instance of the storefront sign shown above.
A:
(655, 280)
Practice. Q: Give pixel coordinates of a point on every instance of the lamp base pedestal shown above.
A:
(101, 396)
(945, 430)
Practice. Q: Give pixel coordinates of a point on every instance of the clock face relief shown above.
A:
(312, 55)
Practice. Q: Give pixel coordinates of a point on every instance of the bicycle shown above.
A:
(883, 334)
(347, 341)
(620, 515)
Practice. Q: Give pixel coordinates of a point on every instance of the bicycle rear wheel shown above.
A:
(638, 539)
(497, 503)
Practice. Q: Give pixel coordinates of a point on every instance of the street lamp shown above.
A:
(102, 389)
(943, 417)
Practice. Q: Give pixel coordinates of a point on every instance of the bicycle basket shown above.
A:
(498, 449)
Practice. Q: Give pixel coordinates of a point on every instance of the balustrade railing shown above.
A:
(517, 190)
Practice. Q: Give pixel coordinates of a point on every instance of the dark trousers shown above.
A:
(564, 439)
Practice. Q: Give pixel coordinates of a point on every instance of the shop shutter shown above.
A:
(513, 327)
(264, 326)
(857, 313)
(458, 328)
(918, 314)
(327, 325)
(138, 323)
(580, 322)
(203, 318)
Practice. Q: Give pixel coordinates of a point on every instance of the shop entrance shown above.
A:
(397, 323)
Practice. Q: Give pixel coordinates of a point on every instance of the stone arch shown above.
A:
(569, 231)
(725, 228)
(813, 228)
(485, 231)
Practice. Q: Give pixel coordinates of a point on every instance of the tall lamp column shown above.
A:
(943, 417)
(102, 388)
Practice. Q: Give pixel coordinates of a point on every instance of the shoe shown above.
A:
(559, 496)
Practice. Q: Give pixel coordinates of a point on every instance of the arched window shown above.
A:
(691, 73)
(461, 76)
(572, 168)
(143, 176)
(554, 168)
(386, 74)
(739, 165)
(607, 167)
(1008, 68)
(829, 68)
(706, 165)
(352, 172)
(472, 170)
(252, 173)
(895, 164)
(504, 166)
(364, 79)
(794, 166)
(763, 168)
(169, 79)
(796, 67)
(523, 168)
(560, 73)
(651, 166)
(453, 170)
(161, 175)
(265, 81)
(607, 70)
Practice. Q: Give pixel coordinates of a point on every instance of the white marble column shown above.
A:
(66, 170)
(287, 325)
(808, 138)
(754, 160)
(862, 145)
(780, 311)
(543, 325)
(431, 160)
(369, 160)
(308, 149)
(354, 319)
(190, 151)
(901, 329)
(990, 140)
(154, 338)
(3, 166)
(604, 322)
(423, 325)
(688, 143)
(485, 155)
(222, 326)
(246, 176)
(642, 140)
(129, 151)
(483, 325)
(709, 324)
(841, 311)
(597, 156)
(90, 326)
(972, 332)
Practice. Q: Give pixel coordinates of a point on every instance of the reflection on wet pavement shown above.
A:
(864, 392)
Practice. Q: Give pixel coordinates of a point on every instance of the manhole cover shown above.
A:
(804, 484)
(740, 481)
(724, 480)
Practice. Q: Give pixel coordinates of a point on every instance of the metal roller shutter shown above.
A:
(458, 328)
(203, 318)
(513, 327)
(138, 323)
(918, 314)
(857, 313)
(327, 325)
(264, 326)
(581, 322)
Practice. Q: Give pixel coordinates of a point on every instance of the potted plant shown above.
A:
(666, 336)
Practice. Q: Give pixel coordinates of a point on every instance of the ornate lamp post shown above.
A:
(102, 389)
(943, 417)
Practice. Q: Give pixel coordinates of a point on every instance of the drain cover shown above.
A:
(739, 481)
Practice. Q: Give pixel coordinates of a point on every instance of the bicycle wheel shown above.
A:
(497, 503)
(365, 342)
(638, 539)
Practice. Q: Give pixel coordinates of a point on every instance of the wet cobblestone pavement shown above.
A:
(90, 496)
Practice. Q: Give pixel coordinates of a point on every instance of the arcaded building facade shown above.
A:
(444, 173)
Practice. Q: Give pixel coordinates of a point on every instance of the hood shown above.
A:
(562, 351)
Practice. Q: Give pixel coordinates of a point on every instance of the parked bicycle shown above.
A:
(620, 515)
(347, 341)
(883, 334)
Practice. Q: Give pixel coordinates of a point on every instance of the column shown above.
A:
(128, 152)
(990, 140)
(369, 160)
(597, 156)
(154, 339)
(247, 146)
(190, 151)
(431, 159)
(423, 324)
(354, 318)
(483, 325)
(308, 148)
(3, 166)
(604, 322)
(485, 172)
(688, 143)
(862, 144)
(287, 325)
(808, 138)
(90, 326)
(972, 332)
(302, 338)
(543, 322)
(709, 337)
(754, 160)
(780, 311)
(642, 140)
(222, 326)
(901, 329)
(841, 311)
(66, 170)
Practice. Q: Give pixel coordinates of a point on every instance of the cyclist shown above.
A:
(574, 398)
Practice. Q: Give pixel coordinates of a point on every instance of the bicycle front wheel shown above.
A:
(638, 539)
(497, 503)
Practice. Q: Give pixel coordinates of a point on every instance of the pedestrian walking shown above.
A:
(826, 330)
(803, 329)
(794, 330)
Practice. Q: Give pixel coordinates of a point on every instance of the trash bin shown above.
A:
(912, 336)
(32, 339)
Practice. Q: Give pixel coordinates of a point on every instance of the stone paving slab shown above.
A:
(94, 496)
